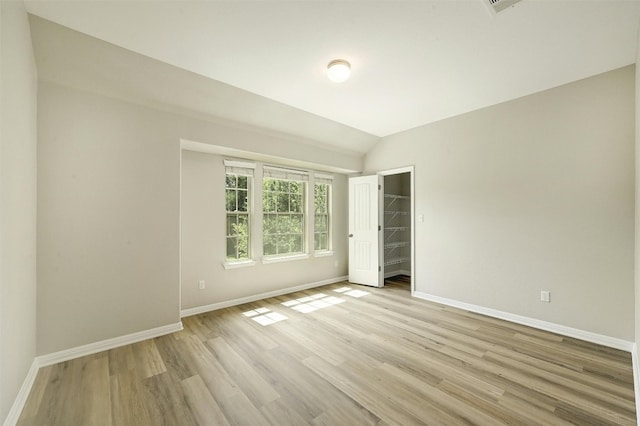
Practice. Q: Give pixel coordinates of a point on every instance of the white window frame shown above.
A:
(257, 172)
(302, 176)
(242, 168)
(323, 179)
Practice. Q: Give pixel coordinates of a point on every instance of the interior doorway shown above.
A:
(397, 246)
(381, 228)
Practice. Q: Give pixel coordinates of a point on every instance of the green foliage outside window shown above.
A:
(237, 206)
(321, 195)
(283, 216)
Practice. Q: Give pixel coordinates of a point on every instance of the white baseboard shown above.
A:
(588, 336)
(67, 354)
(104, 345)
(234, 302)
(23, 394)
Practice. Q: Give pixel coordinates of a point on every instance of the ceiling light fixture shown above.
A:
(338, 70)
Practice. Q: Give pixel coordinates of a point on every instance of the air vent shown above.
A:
(497, 6)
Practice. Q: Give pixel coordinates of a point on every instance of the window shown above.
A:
(283, 208)
(288, 232)
(238, 180)
(322, 211)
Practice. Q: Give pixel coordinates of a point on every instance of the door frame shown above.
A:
(397, 171)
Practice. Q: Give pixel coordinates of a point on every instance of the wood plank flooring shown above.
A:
(341, 354)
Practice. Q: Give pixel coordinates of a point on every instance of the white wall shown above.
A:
(108, 213)
(73, 59)
(18, 89)
(203, 241)
(533, 194)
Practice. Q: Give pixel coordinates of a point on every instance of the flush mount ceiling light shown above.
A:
(338, 70)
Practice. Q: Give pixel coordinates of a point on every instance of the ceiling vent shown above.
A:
(497, 6)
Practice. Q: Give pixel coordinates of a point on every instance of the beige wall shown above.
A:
(108, 214)
(108, 204)
(203, 241)
(533, 194)
(18, 91)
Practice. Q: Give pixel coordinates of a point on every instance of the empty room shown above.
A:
(319, 212)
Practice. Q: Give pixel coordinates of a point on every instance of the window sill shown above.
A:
(324, 253)
(235, 265)
(278, 259)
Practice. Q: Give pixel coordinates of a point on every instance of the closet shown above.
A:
(380, 228)
(397, 225)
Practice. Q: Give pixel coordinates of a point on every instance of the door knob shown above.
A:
(350, 235)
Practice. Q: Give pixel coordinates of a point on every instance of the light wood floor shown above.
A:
(382, 358)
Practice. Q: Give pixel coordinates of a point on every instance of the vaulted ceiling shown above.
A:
(413, 62)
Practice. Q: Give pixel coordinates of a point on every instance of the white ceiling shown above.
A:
(413, 62)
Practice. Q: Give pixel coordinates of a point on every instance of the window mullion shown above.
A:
(258, 214)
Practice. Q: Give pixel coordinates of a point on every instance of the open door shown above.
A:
(365, 193)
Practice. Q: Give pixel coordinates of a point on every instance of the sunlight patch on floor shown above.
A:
(305, 305)
(264, 316)
(312, 303)
(353, 293)
(357, 293)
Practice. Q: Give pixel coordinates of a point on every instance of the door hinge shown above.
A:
(379, 228)
(379, 187)
(379, 268)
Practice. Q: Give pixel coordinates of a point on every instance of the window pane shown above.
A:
(242, 232)
(283, 202)
(283, 224)
(243, 247)
(283, 216)
(231, 200)
(269, 224)
(296, 224)
(231, 221)
(242, 201)
(268, 202)
(296, 244)
(283, 242)
(269, 245)
(317, 195)
(296, 204)
(243, 182)
(243, 221)
(324, 241)
(320, 198)
(231, 248)
(282, 185)
(321, 223)
(321, 195)
(269, 184)
(237, 227)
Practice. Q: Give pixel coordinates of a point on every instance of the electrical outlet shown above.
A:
(336, 264)
(201, 284)
(545, 296)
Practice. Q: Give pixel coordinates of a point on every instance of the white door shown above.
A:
(364, 230)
